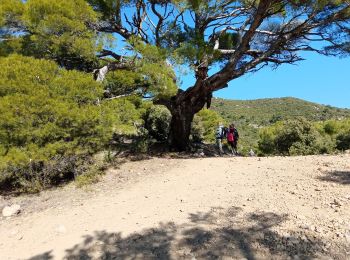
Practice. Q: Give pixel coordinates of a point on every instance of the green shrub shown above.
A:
(49, 120)
(336, 132)
(91, 174)
(330, 127)
(204, 125)
(56, 30)
(291, 137)
(343, 141)
(158, 122)
(141, 141)
(300, 137)
(197, 130)
(266, 143)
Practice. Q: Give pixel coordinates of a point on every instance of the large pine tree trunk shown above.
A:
(183, 107)
(180, 127)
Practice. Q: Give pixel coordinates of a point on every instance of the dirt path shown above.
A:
(206, 208)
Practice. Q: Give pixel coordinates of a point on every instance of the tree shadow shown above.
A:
(44, 256)
(152, 243)
(162, 150)
(215, 234)
(341, 177)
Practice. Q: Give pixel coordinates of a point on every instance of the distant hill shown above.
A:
(250, 115)
(270, 110)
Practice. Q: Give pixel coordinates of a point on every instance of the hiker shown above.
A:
(220, 134)
(236, 137)
(232, 138)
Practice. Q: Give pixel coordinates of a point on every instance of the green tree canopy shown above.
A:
(50, 118)
(56, 30)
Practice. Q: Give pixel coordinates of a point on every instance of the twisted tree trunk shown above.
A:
(180, 127)
(183, 107)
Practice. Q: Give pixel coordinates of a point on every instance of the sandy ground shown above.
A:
(203, 208)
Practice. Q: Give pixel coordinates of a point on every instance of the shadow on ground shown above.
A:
(215, 234)
(341, 177)
(197, 150)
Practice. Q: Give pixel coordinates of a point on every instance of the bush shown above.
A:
(56, 30)
(330, 127)
(291, 137)
(204, 125)
(343, 141)
(91, 174)
(266, 143)
(197, 130)
(300, 137)
(157, 122)
(49, 122)
(336, 132)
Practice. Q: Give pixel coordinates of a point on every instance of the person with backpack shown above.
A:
(231, 139)
(219, 135)
(235, 139)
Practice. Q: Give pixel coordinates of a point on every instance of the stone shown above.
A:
(61, 229)
(318, 230)
(305, 226)
(12, 210)
(337, 202)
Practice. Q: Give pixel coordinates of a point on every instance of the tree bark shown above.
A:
(180, 127)
(183, 107)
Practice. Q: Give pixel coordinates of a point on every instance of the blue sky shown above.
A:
(325, 80)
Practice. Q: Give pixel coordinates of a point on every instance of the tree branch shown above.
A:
(105, 53)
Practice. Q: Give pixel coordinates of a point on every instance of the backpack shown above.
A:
(230, 137)
(235, 133)
(219, 133)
